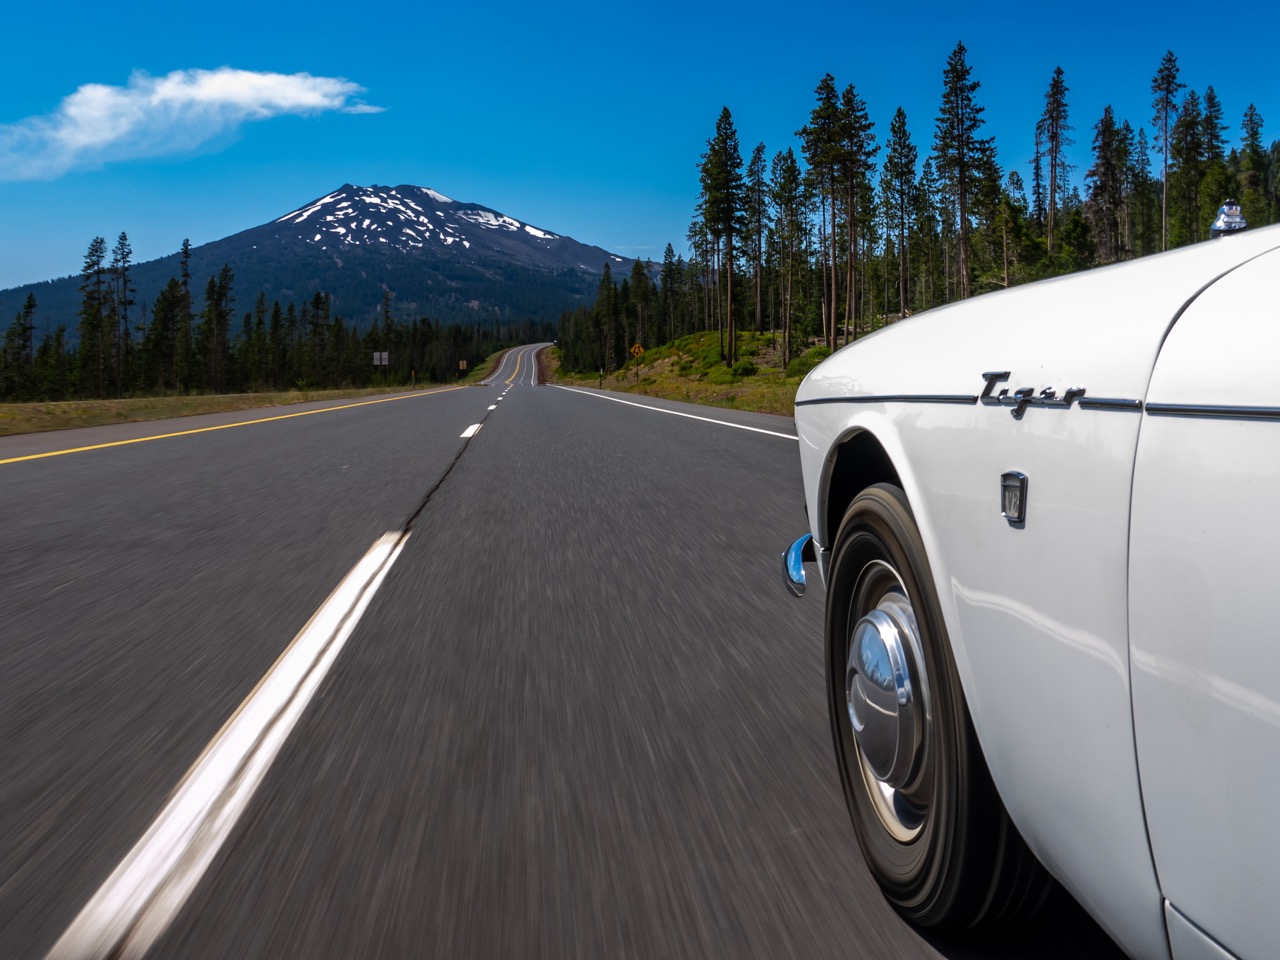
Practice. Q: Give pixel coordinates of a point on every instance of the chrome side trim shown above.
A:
(1110, 403)
(1086, 403)
(1213, 411)
(969, 399)
(793, 561)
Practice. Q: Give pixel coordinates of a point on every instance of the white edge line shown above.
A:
(135, 905)
(676, 413)
(471, 431)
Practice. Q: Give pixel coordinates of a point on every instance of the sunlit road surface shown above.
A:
(497, 671)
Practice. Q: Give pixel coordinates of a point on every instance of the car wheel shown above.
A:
(927, 816)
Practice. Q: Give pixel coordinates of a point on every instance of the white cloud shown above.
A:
(156, 116)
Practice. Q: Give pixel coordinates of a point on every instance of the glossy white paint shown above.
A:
(1206, 662)
(1190, 943)
(1038, 616)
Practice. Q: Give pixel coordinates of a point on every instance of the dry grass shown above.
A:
(18, 418)
(38, 417)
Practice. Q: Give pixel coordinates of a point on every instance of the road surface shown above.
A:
(564, 708)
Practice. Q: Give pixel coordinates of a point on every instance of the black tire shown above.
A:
(938, 840)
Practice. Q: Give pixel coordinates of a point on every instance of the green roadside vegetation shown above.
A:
(693, 370)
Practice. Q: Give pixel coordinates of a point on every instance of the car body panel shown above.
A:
(1037, 614)
(1203, 568)
(1188, 942)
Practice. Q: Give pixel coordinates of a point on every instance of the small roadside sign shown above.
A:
(462, 364)
(380, 359)
(637, 350)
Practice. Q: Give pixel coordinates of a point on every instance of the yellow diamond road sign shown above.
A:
(637, 350)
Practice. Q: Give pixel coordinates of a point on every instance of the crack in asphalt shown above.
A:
(407, 527)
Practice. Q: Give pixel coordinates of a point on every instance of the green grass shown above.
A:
(691, 369)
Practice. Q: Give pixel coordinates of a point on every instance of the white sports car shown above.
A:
(1048, 521)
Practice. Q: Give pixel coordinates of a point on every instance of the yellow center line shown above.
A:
(225, 426)
(517, 372)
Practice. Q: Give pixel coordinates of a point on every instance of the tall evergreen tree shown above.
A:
(855, 161)
(182, 354)
(1106, 182)
(723, 188)
(820, 139)
(1213, 128)
(122, 291)
(93, 353)
(1186, 171)
(959, 152)
(1253, 169)
(1052, 130)
(756, 200)
(17, 358)
(899, 192)
(786, 193)
(1164, 88)
(1037, 181)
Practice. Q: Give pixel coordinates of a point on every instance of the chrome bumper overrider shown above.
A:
(793, 561)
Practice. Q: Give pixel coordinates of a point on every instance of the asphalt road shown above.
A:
(580, 717)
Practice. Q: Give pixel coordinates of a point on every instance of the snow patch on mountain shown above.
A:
(406, 217)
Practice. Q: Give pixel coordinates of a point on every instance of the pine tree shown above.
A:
(1037, 182)
(1106, 177)
(899, 191)
(1052, 131)
(820, 139)
(786, 196)
(92, 354)
(1212, 128)
(17, 358)
(930, 225)
(756, 211)
(959, 152)
(1253, 169)
(122, 291)
(1164, 87)
(1144, 202)
(641, 302)
(723, 188)
(182, 353)
(855, 161)
(604, 321)
(1187, 170)
(668, 289)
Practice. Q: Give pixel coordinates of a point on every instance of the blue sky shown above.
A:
(583, 119)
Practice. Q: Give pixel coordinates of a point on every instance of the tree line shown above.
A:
(185, 343)
(855, 232)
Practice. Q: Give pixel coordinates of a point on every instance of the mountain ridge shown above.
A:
(441, 258)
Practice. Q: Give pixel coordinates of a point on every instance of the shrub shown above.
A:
(744, 368)
(808, 360)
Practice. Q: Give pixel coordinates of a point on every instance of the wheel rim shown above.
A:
(887, 700)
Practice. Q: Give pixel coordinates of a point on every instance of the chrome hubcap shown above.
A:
(887, 695)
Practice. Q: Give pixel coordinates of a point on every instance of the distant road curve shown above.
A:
(518, 365)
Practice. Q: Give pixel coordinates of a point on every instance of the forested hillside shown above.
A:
(188, 342)
(867, 226)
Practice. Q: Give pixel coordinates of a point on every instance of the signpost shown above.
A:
(637, 351)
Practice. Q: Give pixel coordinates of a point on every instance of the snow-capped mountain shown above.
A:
(412, 218)
(439, 258)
